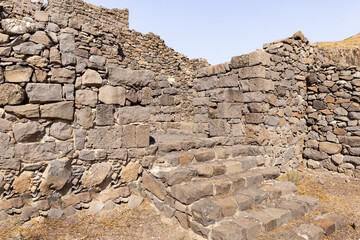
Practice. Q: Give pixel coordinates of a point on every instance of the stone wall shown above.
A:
(333, 118)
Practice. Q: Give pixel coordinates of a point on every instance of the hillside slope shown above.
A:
(345, 51)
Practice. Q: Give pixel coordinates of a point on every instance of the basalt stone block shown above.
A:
(229, 110)
(105, 138)
(11, 94)
(43, 93)
(61, 110)
(67, 42)
(353, 160)
(91, 78)
(55, 176)
(140, 78)
(28, 132)
(41, 37)
(319, 105)
(314, 154)
(154, 186)
(28, 48)
(254, 118)
(129, 136)
(112, 95)
(261, 84)
(206, 212)
(142, 136)
(104, 115)
(61, 130)
(228, 81)
(258, 57)
(38, 61)
(18, 74)
(86, 98)
(201, 84)
(190, 193)
(126, 115)
(228, 230)
(330, 148)
(219, 127)
(352, 141)
(62, 75)
(96, 175)
(84, 117)
(252, 72)
(10, 164)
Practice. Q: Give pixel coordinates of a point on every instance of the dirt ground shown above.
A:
(338, 193)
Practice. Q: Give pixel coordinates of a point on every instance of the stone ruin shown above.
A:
(91, 112)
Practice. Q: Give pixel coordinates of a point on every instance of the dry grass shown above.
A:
(350, 43)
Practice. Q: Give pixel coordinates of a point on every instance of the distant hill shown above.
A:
(345, 51)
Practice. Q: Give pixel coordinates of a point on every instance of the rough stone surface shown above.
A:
(112, 95)
(43, 93)
(119, 76)
(96, 175)
(91, 78)
(56, 175)
(61, 130)
(28, 132)
(18, 74)
(11, 94)
(61, 110)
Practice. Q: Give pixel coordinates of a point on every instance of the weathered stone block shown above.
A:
(201, 84)
(68, 92)
(28, 48)
(190, 193)
(84, 117)
(129, 136)
(67, 42)
(259, 57)
(18, 74)
(254, 118)
(61, 130)
(315, 155)
(252, 72)
(330, 148)
(126, 115)
(28, 132)
(104, 115)
(56, 175)
(62, 75)
(353, 141)
(43, 93)
(154, 186)
(119, 76)
(79, 135)
(206, 212)
(86, 98)
(219, 127)
(229, 110)
(105, 138)
(11, 94)
(261, 84)
(91, 78)
(112, 95)
(228, 81)
(61, 110)
(96, 175)
(38, 61)
(10, 164)
(41, 16)
(130, 172)
(142, 136)
(40, 37)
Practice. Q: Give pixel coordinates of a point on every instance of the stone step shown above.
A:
(252, 223)
(210, 210)
(180, 156)
(198, 170)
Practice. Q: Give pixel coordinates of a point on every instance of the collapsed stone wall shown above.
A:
(333, 118)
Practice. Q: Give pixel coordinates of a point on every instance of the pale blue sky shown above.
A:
(219, 29)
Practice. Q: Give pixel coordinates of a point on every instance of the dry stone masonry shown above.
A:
(91, 112)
